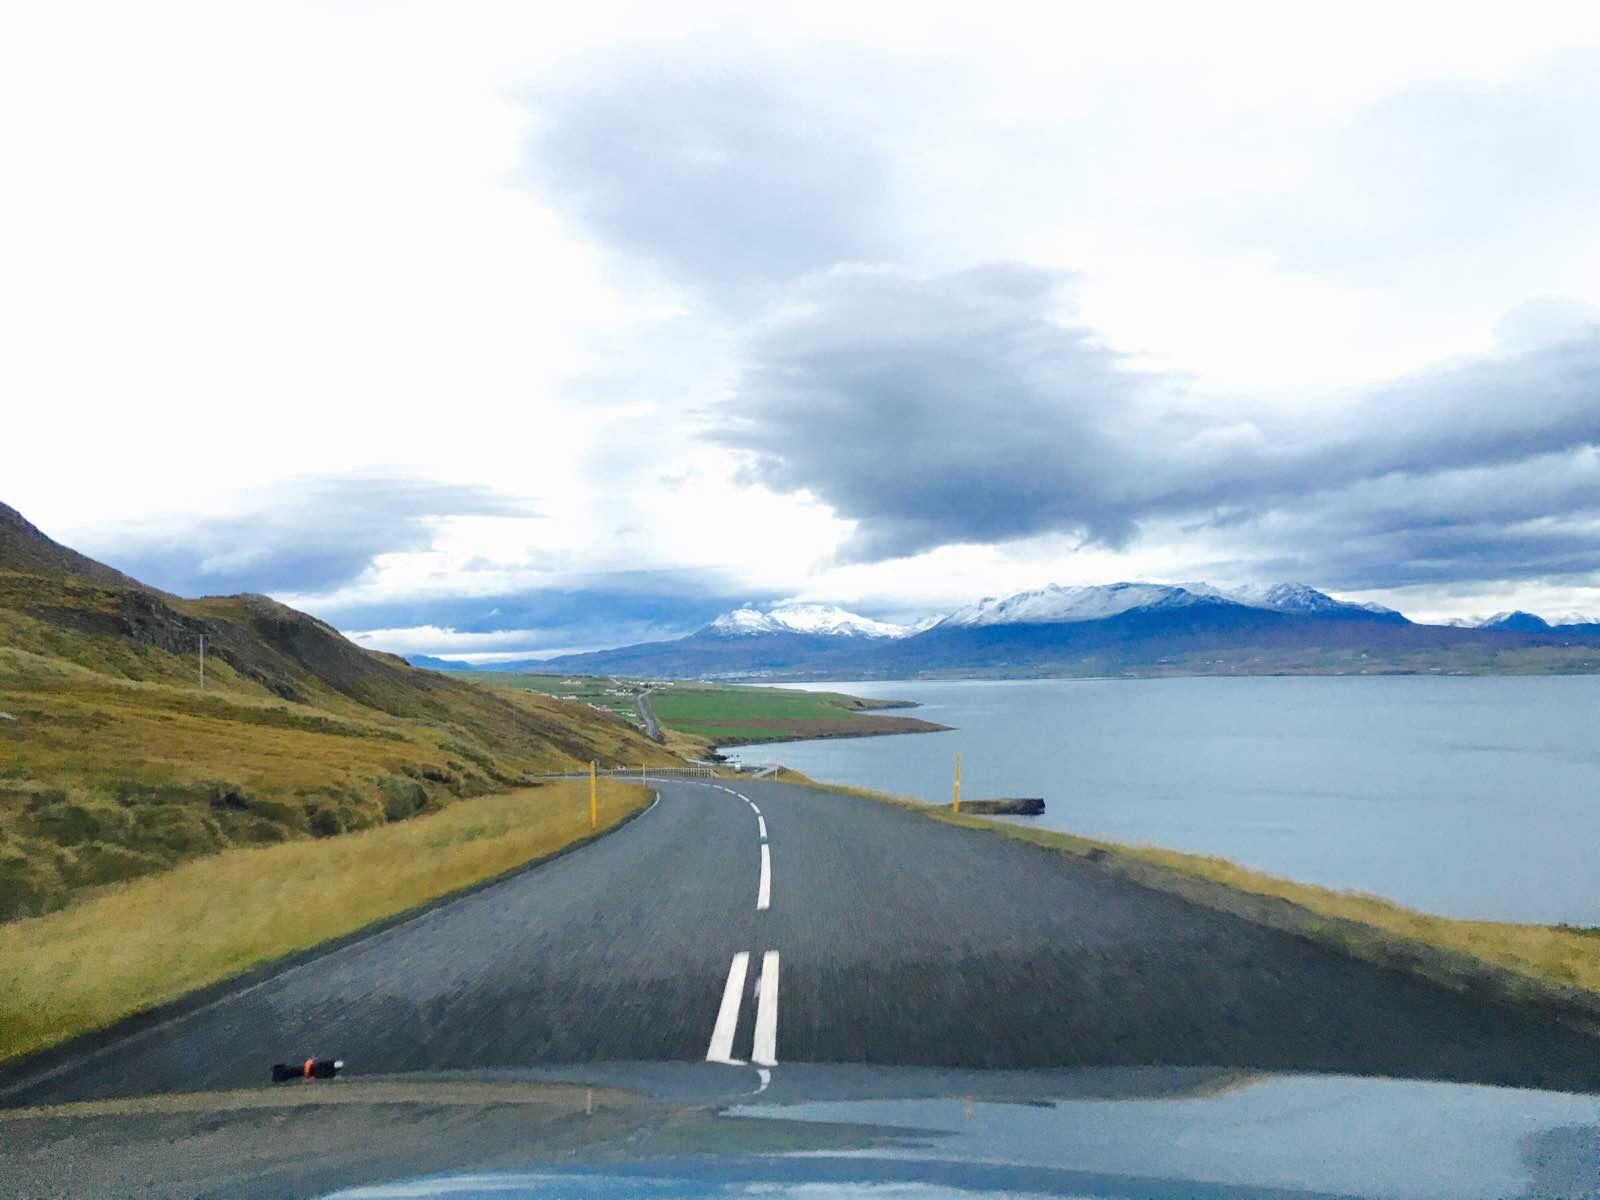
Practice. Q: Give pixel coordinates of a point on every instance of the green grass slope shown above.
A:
(114, 763)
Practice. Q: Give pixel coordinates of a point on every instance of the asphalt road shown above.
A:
(784, 924)
(652, 727)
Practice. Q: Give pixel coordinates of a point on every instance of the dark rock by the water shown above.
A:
(1006, 806)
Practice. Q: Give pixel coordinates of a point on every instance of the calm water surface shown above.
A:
(1465, 796)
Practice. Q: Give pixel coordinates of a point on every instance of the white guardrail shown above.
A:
(693, 771)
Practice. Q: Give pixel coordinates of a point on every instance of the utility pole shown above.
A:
(958, 782)
(202, 662)
(594, 819)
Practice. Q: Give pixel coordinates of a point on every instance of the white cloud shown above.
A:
(430, 639)
(245, 246)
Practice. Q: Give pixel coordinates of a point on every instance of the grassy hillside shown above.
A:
(619, 696)
(24, 549)
(114, 764)
(131, 946)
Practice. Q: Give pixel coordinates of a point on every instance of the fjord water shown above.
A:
(1469, 797)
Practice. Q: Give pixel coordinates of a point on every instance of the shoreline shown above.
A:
(1139, 676)
(719, 744)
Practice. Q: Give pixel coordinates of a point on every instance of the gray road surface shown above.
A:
(652, 727)
(886, 938)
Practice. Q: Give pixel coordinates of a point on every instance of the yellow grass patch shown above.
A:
(131, 946)
(1554, 953)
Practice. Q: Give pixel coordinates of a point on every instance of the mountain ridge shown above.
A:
(1120, 628)
(25, 548)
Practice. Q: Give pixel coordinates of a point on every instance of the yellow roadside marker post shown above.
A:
(594, 817)
(958, 783)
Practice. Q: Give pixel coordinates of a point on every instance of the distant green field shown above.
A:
(726, 714)
(711, 710)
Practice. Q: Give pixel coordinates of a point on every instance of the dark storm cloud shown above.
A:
(657, 598)
(935, 411)
(961, 408)
(610, 609)
(723, 173)
(1537, 518)
(307, 535)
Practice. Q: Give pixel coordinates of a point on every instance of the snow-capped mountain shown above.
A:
(1521, 621)
(1299, 598)
(1123, 628)
(1516, 622)
(1576, 619)
(818, 620)
(1055, 605)
(1060, 605)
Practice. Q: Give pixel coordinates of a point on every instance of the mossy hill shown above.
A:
(114, 763)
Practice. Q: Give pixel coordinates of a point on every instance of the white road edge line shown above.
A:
(755, 810)
(721, 1048)
(765, 1051)
(761, 824)
(764, 891)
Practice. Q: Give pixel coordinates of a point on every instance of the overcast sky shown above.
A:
(483, 329)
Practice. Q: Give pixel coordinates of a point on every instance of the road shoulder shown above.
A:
(1366, 928)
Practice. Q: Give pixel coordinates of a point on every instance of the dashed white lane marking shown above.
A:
(764, 887)
(765, 1076)
(765, 1051)
(721, 1048)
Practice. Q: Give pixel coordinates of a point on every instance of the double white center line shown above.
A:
(727, 1025)
(764, 1046)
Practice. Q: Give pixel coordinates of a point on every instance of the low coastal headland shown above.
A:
(1005, 806)
(697, 718)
